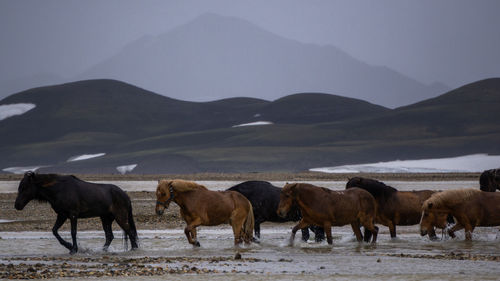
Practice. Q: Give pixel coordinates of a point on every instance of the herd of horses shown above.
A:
(365, 202)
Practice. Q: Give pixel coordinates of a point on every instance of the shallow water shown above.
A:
(345, 258)
(11, 186)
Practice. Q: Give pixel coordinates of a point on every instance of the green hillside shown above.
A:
(161, 135)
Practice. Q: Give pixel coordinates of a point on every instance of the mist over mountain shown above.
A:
(215, 57)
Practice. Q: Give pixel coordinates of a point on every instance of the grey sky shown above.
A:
(452, 41)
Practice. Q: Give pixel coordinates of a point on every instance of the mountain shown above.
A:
(11, 86)
(215, 57)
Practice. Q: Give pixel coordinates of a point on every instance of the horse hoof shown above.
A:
(73, 251)
(197, 244)
(255, 240)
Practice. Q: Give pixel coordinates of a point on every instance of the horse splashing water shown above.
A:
(200, 206)
(326, 208)
(470, 207)
(73, 198)
(265, 198)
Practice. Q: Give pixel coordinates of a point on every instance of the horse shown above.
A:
(490, 180)
(200, 206)
(470, 207)
(265, 198)
(73, 198)
(326, 208)
(394, 207)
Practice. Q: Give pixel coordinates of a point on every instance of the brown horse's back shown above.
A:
(337, 207)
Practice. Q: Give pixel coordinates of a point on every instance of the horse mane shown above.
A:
(451, 197)
(376, 188)
(184, 186)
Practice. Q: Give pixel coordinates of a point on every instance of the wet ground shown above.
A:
(165, 253)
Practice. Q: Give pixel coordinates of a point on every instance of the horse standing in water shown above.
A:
(490, 180)
(200, 206)
(324, 207)
(471, 208)
(265, 198)
(73, 198)
(394, 207)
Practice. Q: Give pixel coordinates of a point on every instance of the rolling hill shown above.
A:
(132, 124)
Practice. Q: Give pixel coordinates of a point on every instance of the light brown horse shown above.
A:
(470, 207)
(394, 207)
(326, 208)
(200, 206)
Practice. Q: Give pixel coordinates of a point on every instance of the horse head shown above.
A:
(164, 195)
(487, 181)
(287, 199)
(432, 217)
(26, 191)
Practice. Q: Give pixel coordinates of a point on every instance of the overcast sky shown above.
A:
(454, 42)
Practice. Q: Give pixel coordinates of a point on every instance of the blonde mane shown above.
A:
(449, 198)
(183, 185)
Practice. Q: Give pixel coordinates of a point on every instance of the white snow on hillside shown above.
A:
(85, 157)
(126, 168)
(468, 163)
(258, 123)
(22, 170)
(9, 110)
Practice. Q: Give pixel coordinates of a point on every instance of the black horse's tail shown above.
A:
(133, 230)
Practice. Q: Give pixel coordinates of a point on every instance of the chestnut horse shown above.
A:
(470, 207)
(326, 208)
(490, 180)
(394, 207)
(200, 206)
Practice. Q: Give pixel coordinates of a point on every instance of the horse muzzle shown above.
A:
(281, 213)
(423, 232)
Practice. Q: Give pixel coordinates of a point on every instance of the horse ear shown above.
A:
(159, 181)
(429, 205)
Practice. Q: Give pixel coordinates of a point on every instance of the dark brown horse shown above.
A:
(490, 180)
(200, 206)
(394, 207)
(326, 208)
(470, 207)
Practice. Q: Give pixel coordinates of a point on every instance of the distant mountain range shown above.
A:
(215, 57)
(131, 125)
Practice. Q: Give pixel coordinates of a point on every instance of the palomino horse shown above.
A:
(470, 207)
(200, 206)
(490, 180)
(394, 207)
(326, 208)
(73, 198)
(265, 198)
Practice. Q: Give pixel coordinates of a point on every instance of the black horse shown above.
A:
(490, 180)
(73, 198)
(265, 198)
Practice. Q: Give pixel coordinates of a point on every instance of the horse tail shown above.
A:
(249, 225)
(131, 223)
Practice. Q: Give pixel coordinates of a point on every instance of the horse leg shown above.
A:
(190, 228)
(305, 234)
(59, 222)
(392, 229)
(302, 224)
(454, 228)
(357, 232)
(108, 232)
(237, 220)
(319, 233)
(328, 231)
(256, 229)
(468, 232)
(74, 221)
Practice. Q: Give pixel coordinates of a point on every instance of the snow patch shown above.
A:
(258, 123)
(126, 168)
(468, 163)
(9, 110)
(22, 170)
(85, 157)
